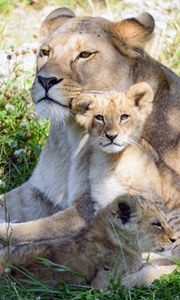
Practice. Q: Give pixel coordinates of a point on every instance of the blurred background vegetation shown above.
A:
(20, 21)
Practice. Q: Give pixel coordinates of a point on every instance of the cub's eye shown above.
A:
(157, 225)
(99, 118)
(85, 54)
(124, 117)
(44, 52)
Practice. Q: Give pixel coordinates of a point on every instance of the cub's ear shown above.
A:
(55, 19)
(130, 35)
(142, 96)
(82, 107)
(81, 104)
(126, 211)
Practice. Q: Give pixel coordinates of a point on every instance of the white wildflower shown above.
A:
(7, 270)
(24, 124)
(9, 107)
(2, 183)
(19, 152)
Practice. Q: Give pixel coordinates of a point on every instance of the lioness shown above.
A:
(92, 53)
(112, 246)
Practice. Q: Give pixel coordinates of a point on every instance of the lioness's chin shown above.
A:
(52, 111)
(112, 148)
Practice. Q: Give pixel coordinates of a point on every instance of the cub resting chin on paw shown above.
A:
(113, 244)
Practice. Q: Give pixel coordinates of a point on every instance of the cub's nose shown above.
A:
(111, 137)
(47, 83)
(173, 240)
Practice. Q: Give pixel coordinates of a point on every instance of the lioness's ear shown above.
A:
(55, 19)
(126, 210)
(142, 96)
(130, 35)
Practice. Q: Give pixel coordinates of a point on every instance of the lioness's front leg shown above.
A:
(23, 204)
(63, 224)
(45, 192)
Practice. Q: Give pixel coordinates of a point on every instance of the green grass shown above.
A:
(28, 287)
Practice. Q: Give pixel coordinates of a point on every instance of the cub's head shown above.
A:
(139, 219)
(114, 120)
(87, 52)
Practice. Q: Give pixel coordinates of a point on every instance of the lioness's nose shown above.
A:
(47, 83)
(173, 240)
(111, 137)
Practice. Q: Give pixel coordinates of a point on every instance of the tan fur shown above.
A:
(130, 34)
(129, 165)
(124, 163)
(112, 244)
(116, 63)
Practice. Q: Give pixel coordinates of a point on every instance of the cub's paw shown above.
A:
(146, 275)
(141, 277)
(100, 281)
(130, 280)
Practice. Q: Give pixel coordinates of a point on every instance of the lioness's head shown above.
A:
(114, 120)
(140, 218)
(87, 52)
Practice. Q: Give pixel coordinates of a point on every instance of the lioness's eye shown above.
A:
(44, 52)
(124, 117)
(157, 225)
(99, 118)
(85, 54)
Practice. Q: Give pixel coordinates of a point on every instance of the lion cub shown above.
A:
(113, 243)
(119, 162)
